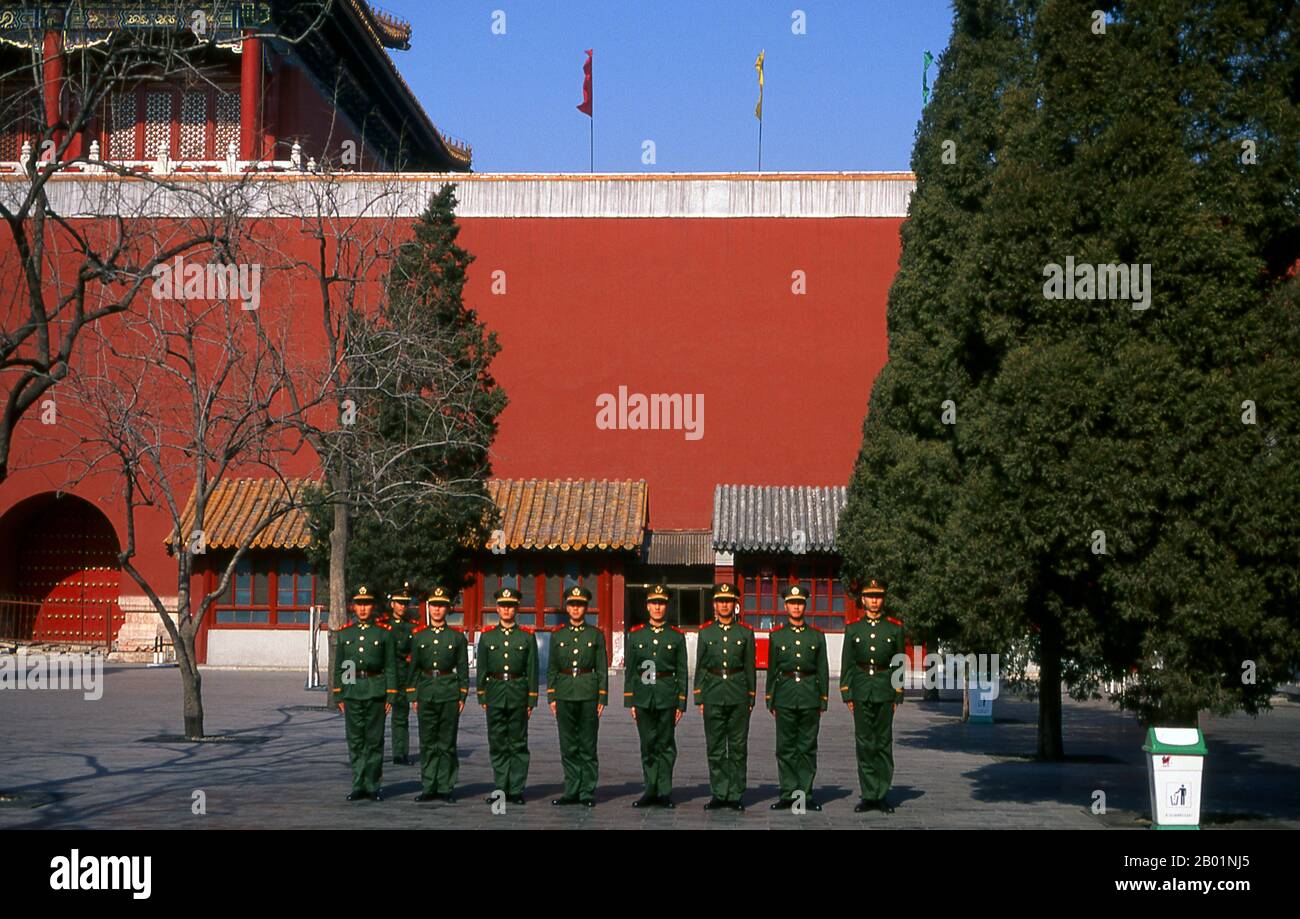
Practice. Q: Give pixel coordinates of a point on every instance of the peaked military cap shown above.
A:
(725, 592)
(506, 596)
(874, 589)
(577, 595)
(403, 595)
(441, 596)
(796, 594)
(657, 592)
(363, 596)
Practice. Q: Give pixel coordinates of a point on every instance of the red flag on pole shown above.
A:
(585, 105)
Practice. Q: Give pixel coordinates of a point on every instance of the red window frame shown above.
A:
(762, 582)
(141, 93)
(213, 576)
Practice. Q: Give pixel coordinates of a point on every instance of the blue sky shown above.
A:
(845, 95)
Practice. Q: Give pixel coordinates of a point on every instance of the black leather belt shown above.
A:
(577, 671)
(798, 673)
(370, 673)
(437, 672)
(725, 671)
(507, 676)
(870, 668)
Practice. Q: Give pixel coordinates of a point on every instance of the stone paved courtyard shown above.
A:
(69, 762)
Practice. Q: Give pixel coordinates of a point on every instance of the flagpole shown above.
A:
(591, 136)
(760, 145)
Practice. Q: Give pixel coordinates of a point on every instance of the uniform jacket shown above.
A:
(801, 652)
(660, 652)
(582, 648)
(728, 649)
(507, 651)
(866, 666)
(364, 655)
(402, 632)
(439, 649)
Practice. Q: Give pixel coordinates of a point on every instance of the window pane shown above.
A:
(291, 617)
(556, 619)
(260, 615)
(490, 617)
(261, 587)
(456, 618)
(554, 589)
(243, 580)
(821, 597)
(284, 582)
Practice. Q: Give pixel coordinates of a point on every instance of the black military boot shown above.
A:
(645, 801)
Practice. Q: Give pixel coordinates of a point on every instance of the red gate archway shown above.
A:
(65, 572)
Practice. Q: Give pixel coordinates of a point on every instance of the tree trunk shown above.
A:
(1051, 745)
(191, 681)
(338, 569)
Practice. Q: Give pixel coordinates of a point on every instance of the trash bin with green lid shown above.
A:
(1175, 758)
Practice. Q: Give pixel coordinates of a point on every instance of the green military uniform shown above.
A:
(440, 684)
(365, 679)
(507, 685)
(866, 680)
(798, 686)
(726, 685)
(577, 681)
(654, 686)
(401, 720)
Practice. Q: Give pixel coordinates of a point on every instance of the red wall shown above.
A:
(686, 306)
(657, 305)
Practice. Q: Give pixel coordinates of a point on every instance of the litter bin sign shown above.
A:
(981, 705)
(1174, 760)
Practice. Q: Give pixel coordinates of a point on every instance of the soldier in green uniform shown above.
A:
(402, 627)
(725, 689)
(365, 684)
(440, 684)
(507, 690)
(577, 688)
(871, 693)
(798, 686)
(655, 691)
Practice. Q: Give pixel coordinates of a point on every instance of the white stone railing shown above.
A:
(163, 164)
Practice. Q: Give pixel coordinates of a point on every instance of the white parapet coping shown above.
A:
(479, 195)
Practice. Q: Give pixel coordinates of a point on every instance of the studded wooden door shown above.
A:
(68, 564)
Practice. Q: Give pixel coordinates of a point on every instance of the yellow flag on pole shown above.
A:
(758, 65)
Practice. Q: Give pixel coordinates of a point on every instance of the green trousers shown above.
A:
(796, 750)
(657, 729)
(507, 730)
(439, 761)
(873, 735)
(579, 725)
(726, 742)
(401, 725)
(364, 723)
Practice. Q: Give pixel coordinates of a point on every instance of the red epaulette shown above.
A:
(637, 628)
(707, 624)
(456, 628)
(385, 626)
(748, 626)
(418, 629)
(893, 620)
(489, 628)
(524, 628)
(677, 630)
(349, 624)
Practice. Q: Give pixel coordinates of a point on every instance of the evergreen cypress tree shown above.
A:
(427, 416)
(1110, 503)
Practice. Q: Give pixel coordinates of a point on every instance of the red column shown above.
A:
(53, 77)
(250, 95)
